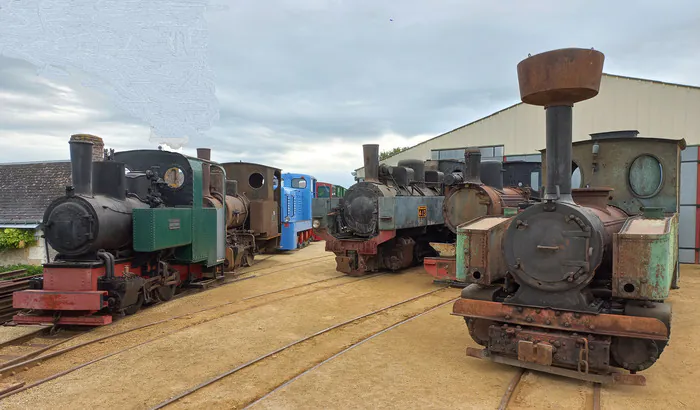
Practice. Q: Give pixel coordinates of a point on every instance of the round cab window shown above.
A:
(174, 177)
(645, 176)
(256, 180)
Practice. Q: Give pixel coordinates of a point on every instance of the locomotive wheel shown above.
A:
(635, 354)
(136, 306)
(165, 293)
(248, 259)
(479, 330)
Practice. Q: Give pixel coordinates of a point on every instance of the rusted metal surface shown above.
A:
(540, 352)
(470, 201)
(601, 324)
(370, 152)
(367, 247)
(59, 300)
(569, 350)
(612, 378)
(645, 258)
(479, 250)
(93, 320)
(566, 75)
(441, 268)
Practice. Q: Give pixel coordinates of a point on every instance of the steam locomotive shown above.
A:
(386, 221)
(134, 227)
(477, 192)
(576, 285)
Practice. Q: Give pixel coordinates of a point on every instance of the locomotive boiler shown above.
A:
(576, 285)
(133, 228)
(477, 192)
(385, 221)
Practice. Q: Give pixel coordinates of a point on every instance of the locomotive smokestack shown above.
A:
(81, 165)
(472, 162)
(205, 154)
(231, 187)
(556, 80)
(371, 154)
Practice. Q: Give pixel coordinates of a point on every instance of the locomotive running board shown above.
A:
(612, 378)
(63, 320)
(602, 323)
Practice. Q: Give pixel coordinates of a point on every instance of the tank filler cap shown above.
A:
(560, 77)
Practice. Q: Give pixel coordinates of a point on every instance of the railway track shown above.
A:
(305, 339)
(33, 361)
(514, 384)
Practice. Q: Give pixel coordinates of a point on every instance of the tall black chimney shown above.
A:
(556, 80)
(371, 154)
(81, 166)
(472, 163)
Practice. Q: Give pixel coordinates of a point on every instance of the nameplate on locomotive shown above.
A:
(422, 211)
(173, 224)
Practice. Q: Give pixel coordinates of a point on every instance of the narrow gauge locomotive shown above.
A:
(297, 192)
(133, 228)
(326, 190)
(575, 285)
(385, 221)
(476, 193)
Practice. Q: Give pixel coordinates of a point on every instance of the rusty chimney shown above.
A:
(556, 80)
(98, 145)
(205, 154)
(371, 154)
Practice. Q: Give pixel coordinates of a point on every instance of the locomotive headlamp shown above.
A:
(316, 223)
(286, 219)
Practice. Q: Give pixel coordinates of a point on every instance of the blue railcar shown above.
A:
(297, 192)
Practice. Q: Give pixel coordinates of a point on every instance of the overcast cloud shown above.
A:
(301, 84)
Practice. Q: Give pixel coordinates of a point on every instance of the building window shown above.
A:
(487, 153)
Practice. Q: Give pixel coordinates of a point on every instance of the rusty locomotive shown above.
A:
(576, 285)
(479, 191)
(387, 220)
(399, 215)
(137, 226)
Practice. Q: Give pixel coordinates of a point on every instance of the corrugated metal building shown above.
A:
(654, 108)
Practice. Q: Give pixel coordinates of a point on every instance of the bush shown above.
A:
(12, 238)
(32, 270)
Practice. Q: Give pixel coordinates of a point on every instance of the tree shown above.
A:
(386, 154)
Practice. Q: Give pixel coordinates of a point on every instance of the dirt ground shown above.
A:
(420, 363)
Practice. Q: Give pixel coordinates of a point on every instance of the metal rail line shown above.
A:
(304, 339)
(515, 381)
(37, 360)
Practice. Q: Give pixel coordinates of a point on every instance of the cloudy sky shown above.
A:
(301, 84)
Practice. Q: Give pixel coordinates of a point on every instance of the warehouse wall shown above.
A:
(655, 109)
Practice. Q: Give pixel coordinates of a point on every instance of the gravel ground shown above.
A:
(419, 364)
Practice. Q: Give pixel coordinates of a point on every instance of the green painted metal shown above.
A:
(509, 211)
(645, 257)
(161, 228)
(653, 213)
(462, 254)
